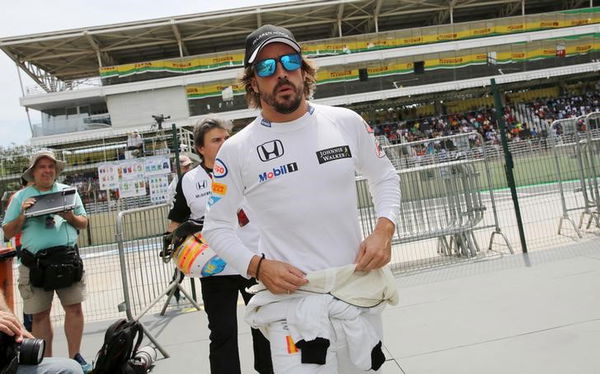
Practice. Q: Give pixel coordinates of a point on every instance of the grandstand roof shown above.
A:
(61, 56)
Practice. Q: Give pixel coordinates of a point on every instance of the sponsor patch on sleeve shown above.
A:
(219, 188)
(332, 154)
(219, 169)
(213, 200)
(242, 218)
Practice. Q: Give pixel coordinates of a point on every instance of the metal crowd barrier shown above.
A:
(147, 279)
(588, 155)
(578, 139)
(442, 182)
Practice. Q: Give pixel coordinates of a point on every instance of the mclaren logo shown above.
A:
(270, 150)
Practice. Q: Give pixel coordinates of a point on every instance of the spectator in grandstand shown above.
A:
(295, 166)
(10, 325)
(55, 237)
(567, 106)
(219, 291)
(185, 164)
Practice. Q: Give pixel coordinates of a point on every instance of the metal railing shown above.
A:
(443, 183)
(588, 148)
(578, 140)
(147, 279)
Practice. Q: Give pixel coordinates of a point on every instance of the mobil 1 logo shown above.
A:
(277, 172)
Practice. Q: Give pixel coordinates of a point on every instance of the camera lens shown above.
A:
(31, 351)
(146, 356)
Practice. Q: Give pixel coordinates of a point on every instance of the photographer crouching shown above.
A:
(49, 259)
(20, 352)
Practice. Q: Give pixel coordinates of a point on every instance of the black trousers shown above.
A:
(220, 295)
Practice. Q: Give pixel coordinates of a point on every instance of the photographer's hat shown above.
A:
(265, 35)
(27, 174)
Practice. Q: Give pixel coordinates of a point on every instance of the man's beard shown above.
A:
(289, 104)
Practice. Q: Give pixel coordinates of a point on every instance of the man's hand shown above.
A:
(280, 277)
(79, 222)
(376, 250)
(10, 325)
(68, 216)
(27, 203)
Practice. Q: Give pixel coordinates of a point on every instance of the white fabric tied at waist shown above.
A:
(336, 297)
(359, 288)
(319, 316)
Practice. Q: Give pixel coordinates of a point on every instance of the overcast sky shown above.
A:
(33, 16)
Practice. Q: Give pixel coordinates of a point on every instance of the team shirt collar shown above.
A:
(287, 126)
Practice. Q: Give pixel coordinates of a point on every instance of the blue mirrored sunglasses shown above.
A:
(266, 68)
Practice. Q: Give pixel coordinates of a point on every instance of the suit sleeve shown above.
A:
(180, 211)
(79, 209)
(14, 208)
(382, 177)
(221, 218)
(196, 202)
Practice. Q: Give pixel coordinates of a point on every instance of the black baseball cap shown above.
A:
(265, 35)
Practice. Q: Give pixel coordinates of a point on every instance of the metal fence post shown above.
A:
(509, 163)
(176, 149)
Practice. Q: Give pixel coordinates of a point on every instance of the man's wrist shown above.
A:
(385, 225)
(253, 265)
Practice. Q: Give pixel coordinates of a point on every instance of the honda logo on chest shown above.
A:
(270, 150)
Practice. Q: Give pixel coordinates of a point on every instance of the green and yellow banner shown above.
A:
(384, 40)
(518, 52)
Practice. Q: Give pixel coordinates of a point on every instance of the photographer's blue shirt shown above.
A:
(45, 231)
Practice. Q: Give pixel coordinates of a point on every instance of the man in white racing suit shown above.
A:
(295, 166)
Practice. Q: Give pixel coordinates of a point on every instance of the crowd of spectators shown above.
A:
(481, 121)
(540, 113)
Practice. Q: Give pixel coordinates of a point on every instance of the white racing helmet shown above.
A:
(196, 259)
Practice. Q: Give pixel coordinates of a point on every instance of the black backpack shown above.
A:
(121, 342)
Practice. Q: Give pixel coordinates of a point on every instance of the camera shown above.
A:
(145, 357)
(160, 118)
(12, 354)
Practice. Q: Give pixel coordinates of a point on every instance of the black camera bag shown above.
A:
(121, 341)
(53, 268)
